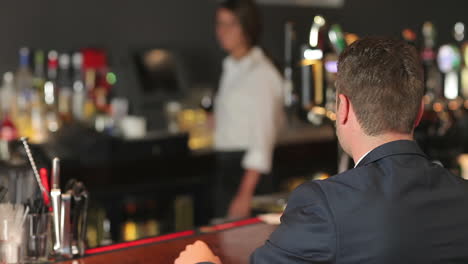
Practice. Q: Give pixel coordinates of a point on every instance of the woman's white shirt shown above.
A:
(249, 109)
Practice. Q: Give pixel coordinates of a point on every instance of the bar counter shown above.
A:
(232, 242)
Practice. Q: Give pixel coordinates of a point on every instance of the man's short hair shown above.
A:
(383, 79)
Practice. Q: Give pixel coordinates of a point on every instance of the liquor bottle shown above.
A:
(64, 84)
(52, 72)
(449, 61)
(8, 129)
(459, 32)
(106, 232)
(51, 92)
(433, 78)
(79, 89)
(97, 86)
(39, 73)
(90, 85)
(24, 86)
(459, 35)
(38, 125)
(130, 226)
(183, 210)
(95, 230)
(152, 226)
(101, 93)
(7, 95)
(337, 39)
(39, 132)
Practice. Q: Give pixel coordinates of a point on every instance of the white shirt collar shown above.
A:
(254, 54)
(363, 156)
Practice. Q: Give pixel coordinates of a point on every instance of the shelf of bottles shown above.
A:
(139, 217)
(445, 66)
(50, 90)
(444, 129)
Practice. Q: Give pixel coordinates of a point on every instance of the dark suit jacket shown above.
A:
(395, 207)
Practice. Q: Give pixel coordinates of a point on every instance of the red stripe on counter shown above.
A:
(138, 242)
(170, 236)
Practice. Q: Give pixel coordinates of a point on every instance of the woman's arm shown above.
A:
(265, 106)
(240, 206)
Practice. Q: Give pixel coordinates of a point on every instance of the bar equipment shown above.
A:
(12, 218)
(289, 39)
(55, 194)
(78, 216)
(65, 225)
(37, 231)
(312, 84)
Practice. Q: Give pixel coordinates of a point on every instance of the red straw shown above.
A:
(45, 182)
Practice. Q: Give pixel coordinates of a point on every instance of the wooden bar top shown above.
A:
(232, 243)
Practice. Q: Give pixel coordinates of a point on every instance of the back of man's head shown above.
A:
(383, 79)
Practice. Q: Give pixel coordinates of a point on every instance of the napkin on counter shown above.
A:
(271, 219)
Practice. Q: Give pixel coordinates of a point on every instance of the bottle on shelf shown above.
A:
(79, 89)
(38, 125)
(7, 94)
(39, 73)
(64, 84)
(51, 92)
(433, 78)
(8, 129)
(58, 89)
(152, 226)
(24, 94)
(130, 225)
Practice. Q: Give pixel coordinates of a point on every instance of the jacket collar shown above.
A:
(398, 147)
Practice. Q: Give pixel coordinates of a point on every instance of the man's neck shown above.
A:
(368, 143)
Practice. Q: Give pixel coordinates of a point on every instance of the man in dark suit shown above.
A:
(395, 206)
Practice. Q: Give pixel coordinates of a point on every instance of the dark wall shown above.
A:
(121, 26)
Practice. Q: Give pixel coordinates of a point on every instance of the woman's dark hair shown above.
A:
(249, 17)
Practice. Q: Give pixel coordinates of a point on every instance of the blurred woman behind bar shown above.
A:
(248, 111)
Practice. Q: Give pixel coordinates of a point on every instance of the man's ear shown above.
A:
(420, 114)
(343, 109)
